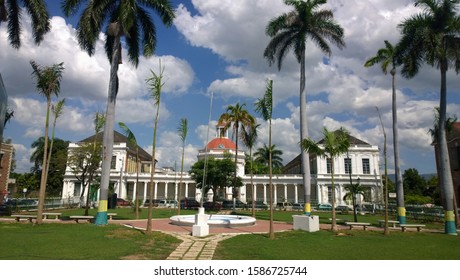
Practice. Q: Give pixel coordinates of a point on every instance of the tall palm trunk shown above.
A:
(180, 182)
(270, 168)
(107, 148)
(152, 173)
(41, 195)
(399, 181)
(447, 187)
(304, 135)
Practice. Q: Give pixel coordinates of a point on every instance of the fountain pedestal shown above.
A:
(306, 223)
(201, 227)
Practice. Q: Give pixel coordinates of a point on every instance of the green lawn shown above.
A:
(25, 241)
(347, 245)
(22, 241)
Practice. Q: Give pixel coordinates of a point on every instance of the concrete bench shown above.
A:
(26, 217)
(405, 226)
(393, 223)
(354, 224)
(47, 215)
(342, 221)
(78, 218)
(110, 215)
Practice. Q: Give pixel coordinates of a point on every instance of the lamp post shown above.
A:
(24, 191)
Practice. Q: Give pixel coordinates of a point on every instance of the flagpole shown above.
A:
(206, 153)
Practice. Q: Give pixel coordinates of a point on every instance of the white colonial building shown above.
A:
(361, 164)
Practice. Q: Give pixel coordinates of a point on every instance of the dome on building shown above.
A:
(221, 143)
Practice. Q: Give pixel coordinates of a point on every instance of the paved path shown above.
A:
(194, 248)
(201, 248)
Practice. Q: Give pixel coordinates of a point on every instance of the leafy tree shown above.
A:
(290, 31)
(249, 137)
(388, 57)
(48, 82)
(182, 131)
(236, 116)
(219, 175)
(334, 144)
(57, 163)
(155, 84)
(432, 36)
(264, 106)
(432, 190)
(85, 161)
(413, 182)
(30, 180)
(131, 20)
(11, 13)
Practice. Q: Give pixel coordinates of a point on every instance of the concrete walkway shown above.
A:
(196, 248)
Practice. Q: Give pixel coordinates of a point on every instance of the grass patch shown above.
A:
(81, 242)
(125, 213)
(348, 245)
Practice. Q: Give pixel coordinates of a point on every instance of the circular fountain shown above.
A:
(215, 220)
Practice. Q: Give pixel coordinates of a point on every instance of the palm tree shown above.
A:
(291, 31)
(262, 156)
(48, 82)
(182, 131)
(11, 12)
(238, 116)
(388, 57)
(128, 19)
(155, 84)
(132, 140)
(264, 106)
(352, 191)
(334, 144)
(249, 137)
(432, 36)
(9, 114)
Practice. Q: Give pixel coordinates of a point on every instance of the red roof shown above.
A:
(221, 143)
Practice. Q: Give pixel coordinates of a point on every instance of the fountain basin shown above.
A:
(215, 220)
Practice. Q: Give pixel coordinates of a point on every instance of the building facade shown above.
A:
(359, 165)
(363, 163)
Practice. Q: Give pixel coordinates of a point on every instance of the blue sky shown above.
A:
(217, 46)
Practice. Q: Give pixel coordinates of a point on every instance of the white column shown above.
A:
(155, 193)
(320, 192)
(285, 192)
(275, 194)
(186, 190)
(166, 189)
(254, 193)
(134, 191)
(176, 190)
(296, 194)
(145, 190)
(265, 194)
